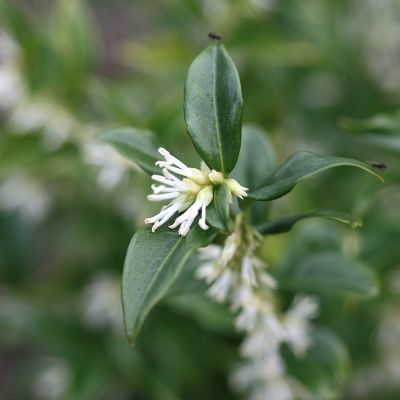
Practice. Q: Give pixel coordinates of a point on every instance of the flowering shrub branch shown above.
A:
(201, 201)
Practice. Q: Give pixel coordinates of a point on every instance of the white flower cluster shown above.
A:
(236, 275)
(26, 113)
(190, 195)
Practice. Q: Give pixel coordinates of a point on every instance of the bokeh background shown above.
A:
(71, 69)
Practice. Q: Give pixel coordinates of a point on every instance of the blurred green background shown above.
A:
(71, 69)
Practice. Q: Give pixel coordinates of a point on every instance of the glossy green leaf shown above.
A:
(331, 273)
(218, 211)
(299, 166)
(213, 108)
(285, 224)
(135, 144)
(152, 264)
(325, 366)
(256, 145)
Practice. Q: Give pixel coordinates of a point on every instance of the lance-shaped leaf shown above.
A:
(213, 107)
(381, 130)
(299, 166)
(285, 224)
(379, 123)
(218, 211)
(137, 145)
(331, 273)
(256, 145)
(152, 264)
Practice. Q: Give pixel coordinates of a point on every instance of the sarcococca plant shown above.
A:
(222, 205)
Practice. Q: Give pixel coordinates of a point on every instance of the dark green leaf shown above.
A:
(207, 313)
(255, 146)
(213, 107)
(152, 264)
(331, 273)
(285, 224)
(136, 145)
(218, 211)
(299, 166)
(325, 366)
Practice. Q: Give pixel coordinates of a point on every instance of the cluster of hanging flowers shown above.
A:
(189, 190)
(239, 277)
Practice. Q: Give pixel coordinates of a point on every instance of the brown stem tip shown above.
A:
(214, 36)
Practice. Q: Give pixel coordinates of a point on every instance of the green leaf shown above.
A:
(207, 313)
(218, 211)
(136, 145)
(381, 130)
(285, 224)
(299, 166)
(325, 366)
(213, 108)
(331, 273)
(389, 123)
(73, 43)
(152, 264)
(256, 145)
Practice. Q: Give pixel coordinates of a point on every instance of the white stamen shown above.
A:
(190, 195)
(202, 222)
(163, 196)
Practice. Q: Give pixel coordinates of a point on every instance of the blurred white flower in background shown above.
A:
(24, 112)
(25, 195)
(39, 114)
(112, 166)
(101, 304)
(11, 84)
(52, 381)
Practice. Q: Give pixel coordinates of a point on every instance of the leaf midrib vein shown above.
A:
(217, 127)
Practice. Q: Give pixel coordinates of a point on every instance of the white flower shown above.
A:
(222, 285)
(52, 381)
(297, 323)
(248, 274)
(236, 189)
(190, 193)
(238, 276)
